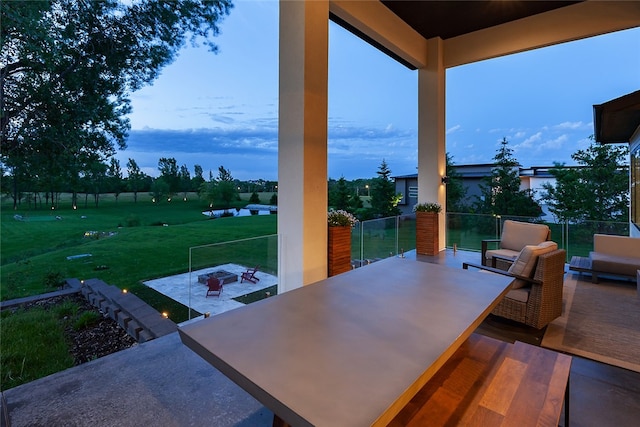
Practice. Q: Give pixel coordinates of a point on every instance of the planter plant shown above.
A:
(427, 228)
(339, 245)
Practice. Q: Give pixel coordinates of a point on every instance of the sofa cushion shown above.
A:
(516, 235)
(615, 264)
(623, 246)
(527, 259)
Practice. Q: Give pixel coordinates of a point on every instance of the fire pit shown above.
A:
(225, 276)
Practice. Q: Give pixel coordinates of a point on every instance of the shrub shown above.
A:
(427, 207)
(132, 221)
(86, 319)
(54, 279)
(66, 309)
(341, 218)
(254, 198)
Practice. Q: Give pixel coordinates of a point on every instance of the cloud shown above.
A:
(580, 125)
(354, 151)
(555, 144)
(347, 132)
(205, 140)
(453, 129)
(529, 142)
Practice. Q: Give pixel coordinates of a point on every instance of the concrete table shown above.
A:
(353, 349)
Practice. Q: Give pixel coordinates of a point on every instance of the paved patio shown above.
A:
(186, 289)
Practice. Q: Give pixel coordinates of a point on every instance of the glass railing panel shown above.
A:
(466, 231)
(580, 235)
(381, 238)
(378, 239)
(234, 257)
(406, 233)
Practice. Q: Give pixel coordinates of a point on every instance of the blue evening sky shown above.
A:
(222, 109)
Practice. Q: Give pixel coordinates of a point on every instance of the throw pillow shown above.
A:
(525, 263)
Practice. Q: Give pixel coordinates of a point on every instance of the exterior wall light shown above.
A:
(445, 179)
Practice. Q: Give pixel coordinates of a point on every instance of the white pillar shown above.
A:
(302, 143)
(431, 131)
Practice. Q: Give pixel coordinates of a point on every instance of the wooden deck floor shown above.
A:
(601, 394)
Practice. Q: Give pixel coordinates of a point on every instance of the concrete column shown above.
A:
(302, 143)
(431, 130)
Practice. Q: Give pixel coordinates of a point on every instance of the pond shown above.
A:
(237, 212)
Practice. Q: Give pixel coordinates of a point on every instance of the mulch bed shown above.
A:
(90, 343)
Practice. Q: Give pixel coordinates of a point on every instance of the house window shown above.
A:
(413, 192)
(635, 187)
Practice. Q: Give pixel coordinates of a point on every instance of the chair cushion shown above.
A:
(520, 294)
(516, 234)
(504, 253)
(525, 263)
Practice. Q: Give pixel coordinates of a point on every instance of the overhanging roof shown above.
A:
(447, 19)
(617, 120)
(472, 31)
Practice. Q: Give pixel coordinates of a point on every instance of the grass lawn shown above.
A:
(33, 344)
(132, 242)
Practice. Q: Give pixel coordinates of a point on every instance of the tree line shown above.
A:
(67, 69)
(173, 181)
(597, 189)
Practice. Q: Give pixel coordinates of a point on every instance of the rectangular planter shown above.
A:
(339, 250)
(427, 233)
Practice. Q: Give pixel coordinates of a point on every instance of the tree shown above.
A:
(501, 194)
(168, 168)
(226, 187)
(255, 198)
(159, 189)
(95, 178)
(197, 179)
(222, 188)
(339, 197)
(185, 180)
(114, 176)
(67, 68)
(596, 191)
(456, 192)
(384, 200)
(135, 178)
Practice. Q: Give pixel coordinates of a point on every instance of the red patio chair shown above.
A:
(214, 285)
(250, 275)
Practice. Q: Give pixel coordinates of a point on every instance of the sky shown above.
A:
(222, 109)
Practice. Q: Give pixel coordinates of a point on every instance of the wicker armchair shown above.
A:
(539, 301)
(515, 236)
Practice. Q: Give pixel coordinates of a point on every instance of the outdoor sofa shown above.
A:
(617, 256)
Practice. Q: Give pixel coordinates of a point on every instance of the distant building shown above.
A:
(530, 178)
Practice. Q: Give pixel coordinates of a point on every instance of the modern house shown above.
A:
(531, 178)
(429, 37)
(618, 121)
